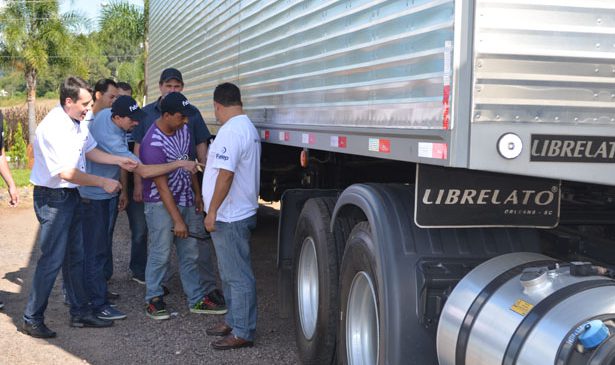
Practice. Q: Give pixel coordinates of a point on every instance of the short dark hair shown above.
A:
(124, 86)
(102, 86)
(227, 94)
(70, 88)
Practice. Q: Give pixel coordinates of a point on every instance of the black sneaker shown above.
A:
(112, 295)
(212, 303)
(89, 320)
(1, 305)
(38, 330)
(156, 309)
(110, 313)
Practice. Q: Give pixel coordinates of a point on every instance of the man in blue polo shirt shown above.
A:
(99, 208)
(171, 80)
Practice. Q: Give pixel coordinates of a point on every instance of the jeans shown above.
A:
(205, 263)
(160, 238)
(232, 243)
(96, 222)
(61, 243)
(112, 211)
(138, 232)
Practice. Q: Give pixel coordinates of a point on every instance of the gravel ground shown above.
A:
(138, 339)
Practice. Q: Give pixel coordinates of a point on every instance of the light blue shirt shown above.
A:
(111, 139)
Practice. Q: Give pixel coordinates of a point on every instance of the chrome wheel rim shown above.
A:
(362, 324)
(307, 287)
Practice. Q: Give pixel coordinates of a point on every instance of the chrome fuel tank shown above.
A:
(527, 309)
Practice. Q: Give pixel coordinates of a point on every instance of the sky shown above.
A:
(90, 8)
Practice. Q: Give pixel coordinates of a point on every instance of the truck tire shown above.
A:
(360, 326)
(315, 294)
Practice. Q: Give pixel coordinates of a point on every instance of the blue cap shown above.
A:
(595, 333)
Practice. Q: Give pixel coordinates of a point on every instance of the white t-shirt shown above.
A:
(60, 144)
(237, 148)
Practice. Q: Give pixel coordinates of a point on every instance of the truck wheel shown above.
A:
(359, 330)
(316, 270)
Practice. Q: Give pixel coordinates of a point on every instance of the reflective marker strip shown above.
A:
(284, 136)
(379, 145)
(433, 150)
(308, 138)
(446, 81)
(265, 135)
(338, 141)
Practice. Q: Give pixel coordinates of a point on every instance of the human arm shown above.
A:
(179, 226)
(5, 172)
(201, 152)
(150, 171)
(123, 198)
(81, 178)
(137, 191)
(100, 156)
(198, 197)
(223, 185)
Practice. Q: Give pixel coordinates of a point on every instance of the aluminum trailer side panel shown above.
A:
(312, 73)
(544, 67)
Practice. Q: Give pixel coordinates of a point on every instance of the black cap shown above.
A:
(176, 103)
(125, 106)
(171, 74)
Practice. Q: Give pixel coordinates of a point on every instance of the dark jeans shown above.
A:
(61, 244)
(112, 211)
(138, 231)
(97, 218)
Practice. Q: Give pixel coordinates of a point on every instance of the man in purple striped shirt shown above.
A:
(173, 205)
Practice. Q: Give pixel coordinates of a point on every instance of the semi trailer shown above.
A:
(444, 167)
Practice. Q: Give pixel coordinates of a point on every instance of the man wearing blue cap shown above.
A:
(99, 208)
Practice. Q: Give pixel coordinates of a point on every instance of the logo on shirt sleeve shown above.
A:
(222, 155)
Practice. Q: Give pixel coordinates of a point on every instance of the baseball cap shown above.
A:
(176, 102)
(125, 106)
(171, 74)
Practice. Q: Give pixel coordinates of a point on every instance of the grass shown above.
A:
(21, 177)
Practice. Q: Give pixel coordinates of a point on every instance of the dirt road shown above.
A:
(138, 339)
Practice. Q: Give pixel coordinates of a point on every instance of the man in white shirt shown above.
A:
(60, 149)
(230, 193)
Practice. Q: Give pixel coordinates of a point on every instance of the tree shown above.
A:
(121, 35)
(34, 36)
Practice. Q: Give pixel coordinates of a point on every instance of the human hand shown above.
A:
(111, 186)
(190, 166)
(137, 193)
(14, 194)
(210, 222)
(180, 229)
(123, 201)
(198, 204)
(127, 164)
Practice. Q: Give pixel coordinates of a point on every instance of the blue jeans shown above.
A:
(96, 226)
(112, 211)
(138, 232)
(206, 264)
(160, 239)
(61, 243)
(232, 243)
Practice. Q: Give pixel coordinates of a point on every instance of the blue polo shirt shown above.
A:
(196, 125)
(111, 139)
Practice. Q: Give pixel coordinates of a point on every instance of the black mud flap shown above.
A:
(450, 197)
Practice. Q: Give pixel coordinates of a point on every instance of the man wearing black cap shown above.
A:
(171, 80)
(173, 208)
(99, 208)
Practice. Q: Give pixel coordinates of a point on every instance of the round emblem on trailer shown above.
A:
(510, 146)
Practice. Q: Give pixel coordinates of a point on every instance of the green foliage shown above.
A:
(20, 176)
(17, 152)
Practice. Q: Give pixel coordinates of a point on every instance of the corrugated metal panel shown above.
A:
(545, 61)
(369, 63)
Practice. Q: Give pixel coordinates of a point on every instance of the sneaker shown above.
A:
(138, 280)
(156, 309)
(112, 295)
(208, 306)
(110, 313)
